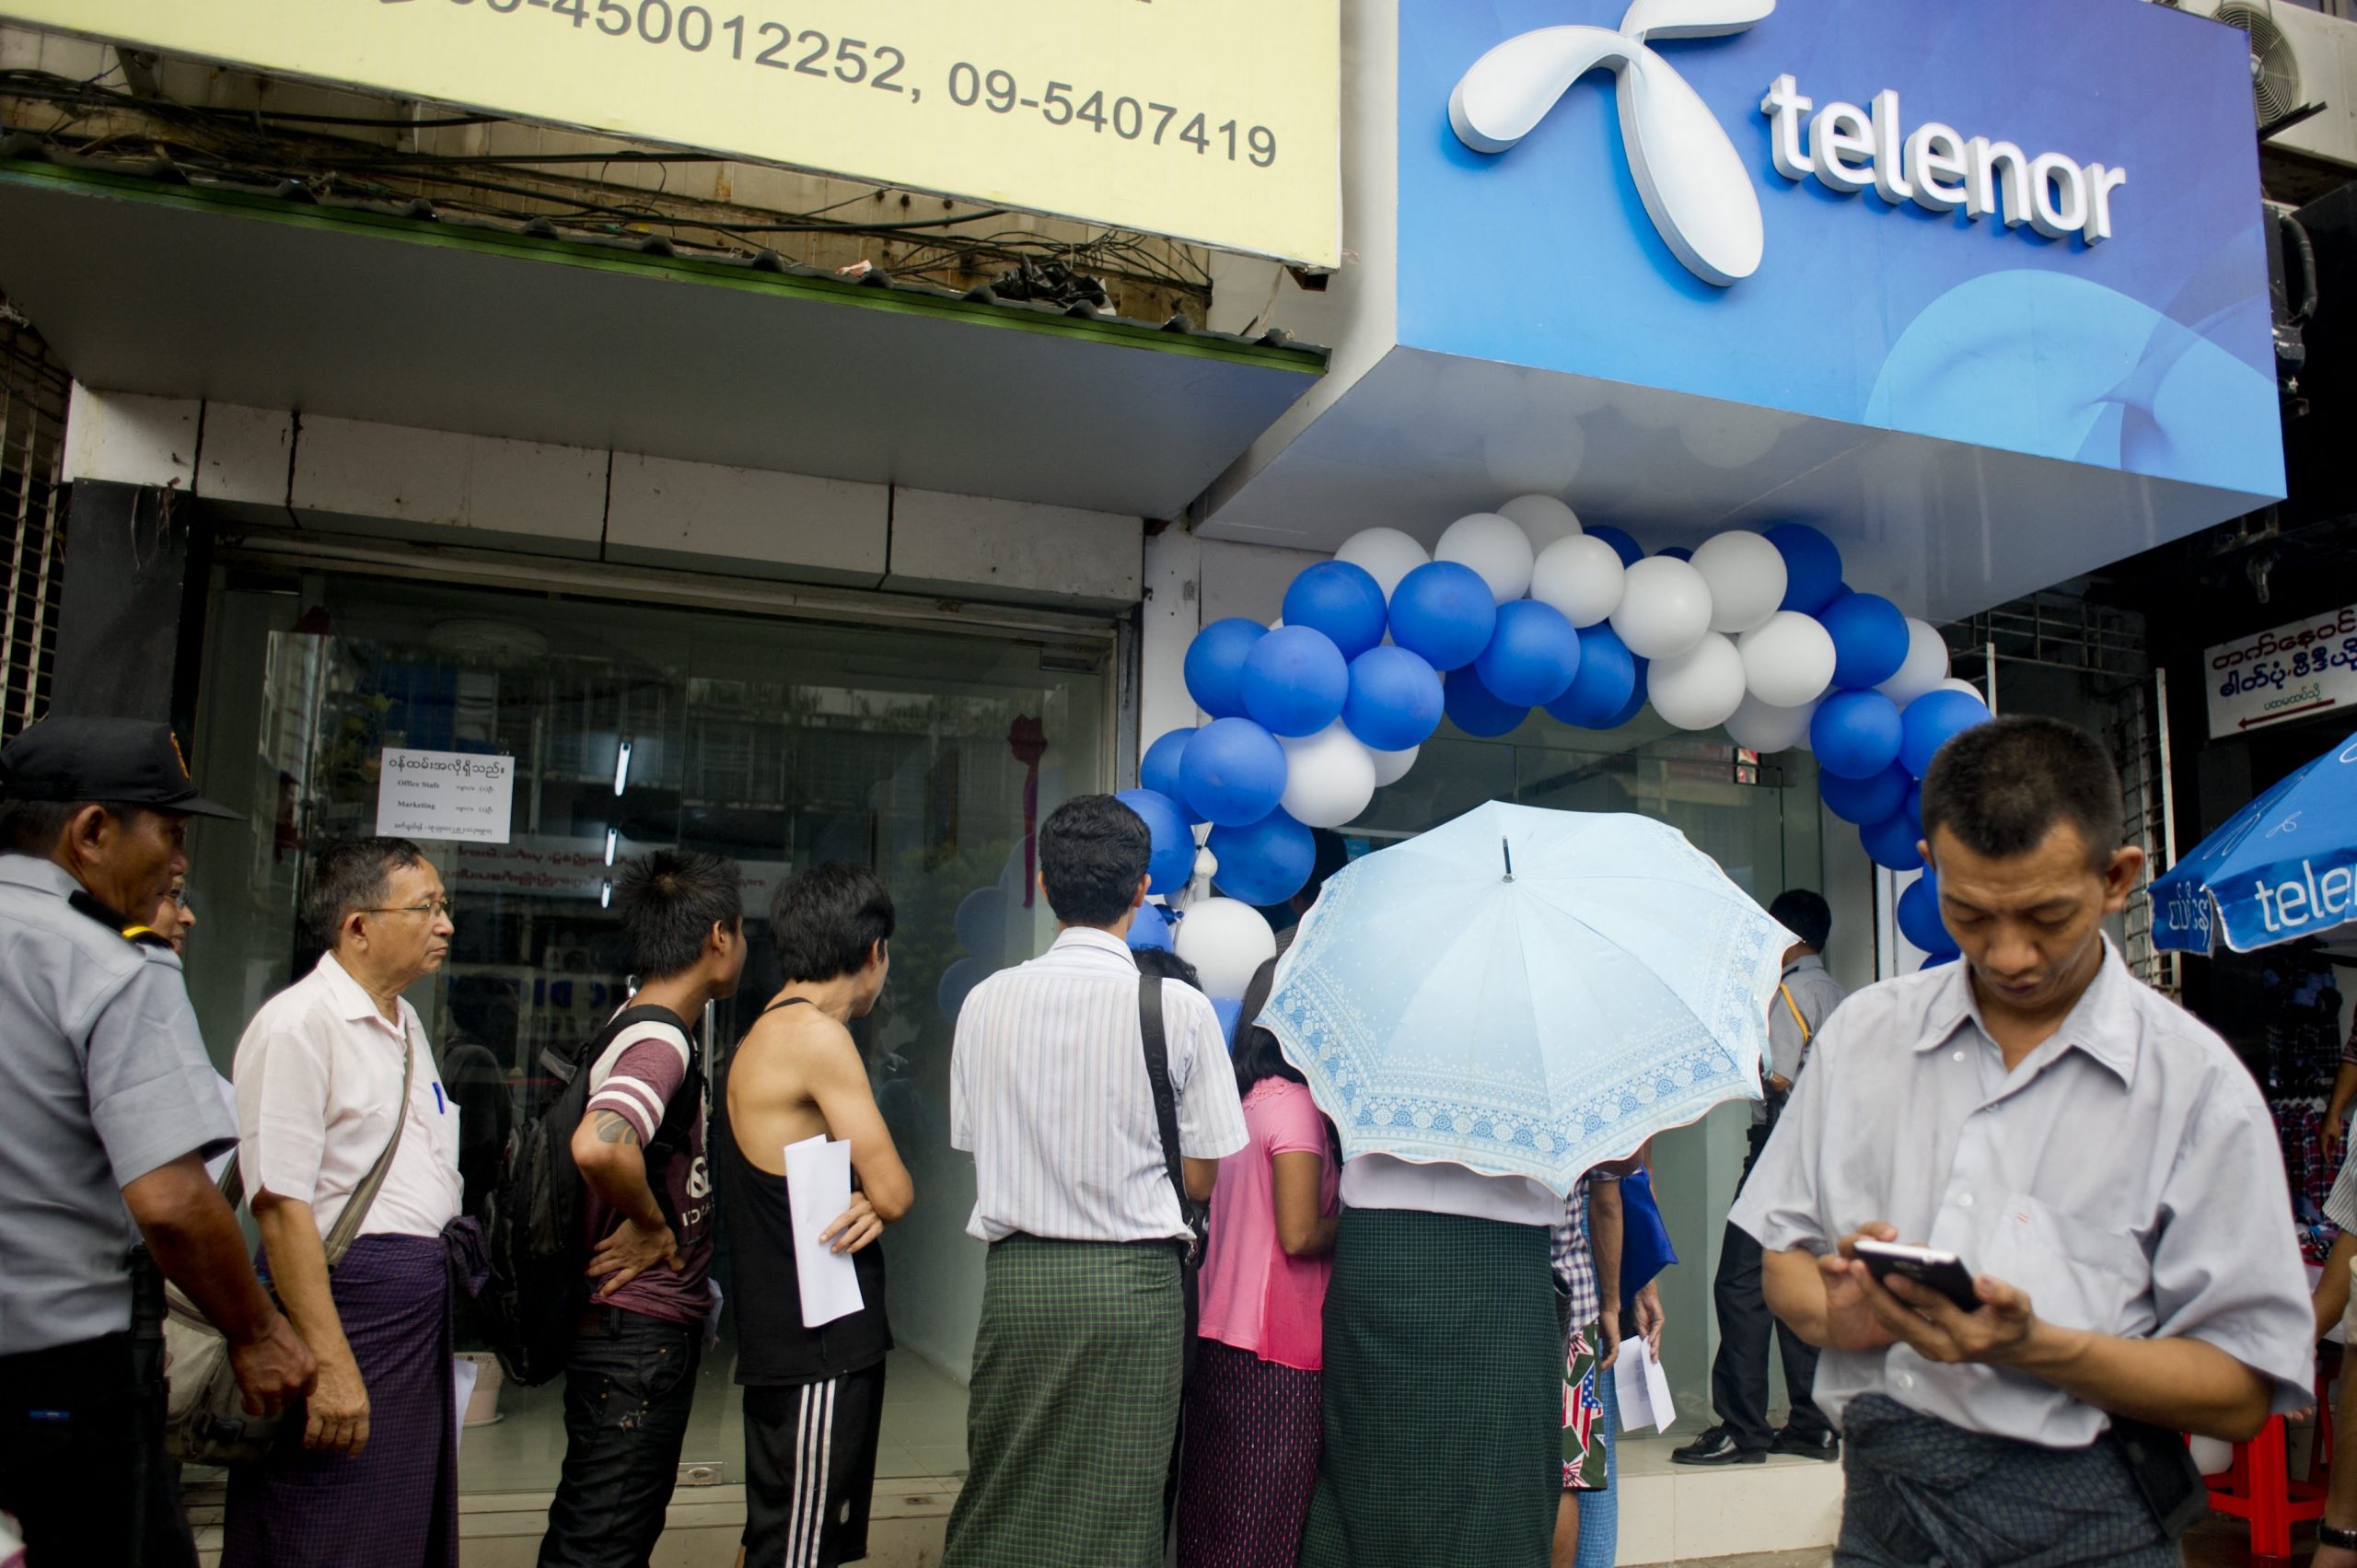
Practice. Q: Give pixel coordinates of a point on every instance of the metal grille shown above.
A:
(2141, 740)
(32, 518)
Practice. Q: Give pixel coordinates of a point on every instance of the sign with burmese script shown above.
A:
(1216, 121)
(466, 796)
(2302, 670)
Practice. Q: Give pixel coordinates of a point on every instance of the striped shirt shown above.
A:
(1048, 1092)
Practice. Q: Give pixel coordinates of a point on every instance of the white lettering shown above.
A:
(2101, 183)
(2266, 915)
(1890, 157)
(1936, 167)
(2058, 196)
(1839, 132)
(2292, 903)
(2333, 890)
(1996, 177)
(1784, 106)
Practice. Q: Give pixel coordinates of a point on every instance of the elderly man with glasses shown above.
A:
(349, 1148)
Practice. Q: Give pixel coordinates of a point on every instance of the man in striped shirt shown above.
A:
(1075, 1402)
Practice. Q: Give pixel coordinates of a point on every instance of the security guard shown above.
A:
(107, 1110)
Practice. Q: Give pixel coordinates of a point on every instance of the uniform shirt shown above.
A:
(636, 1077)
(2340, 1204)
(1438, 1186)
(318, 1076)
(103, 1079)
(1815, 994)
(2125, 1176)
(1048, 1091)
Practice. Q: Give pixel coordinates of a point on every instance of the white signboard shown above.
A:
(465, 796)
(2290, 672)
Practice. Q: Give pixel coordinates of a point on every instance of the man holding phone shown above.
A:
(2085, 1145)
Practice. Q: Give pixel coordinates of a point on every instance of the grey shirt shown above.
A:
(1815, 994)
(2126, 1176)
(103, 1078)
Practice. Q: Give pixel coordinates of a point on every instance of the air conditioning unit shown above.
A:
(2299, 58)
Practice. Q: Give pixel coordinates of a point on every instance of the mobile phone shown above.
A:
(1934, 1270)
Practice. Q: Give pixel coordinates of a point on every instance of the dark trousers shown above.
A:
(628, 1388)
(1739, 1372)
(82, 1456)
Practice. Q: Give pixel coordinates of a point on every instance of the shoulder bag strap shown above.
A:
(1158, 1073)
(347, 1223)
(1786, 992)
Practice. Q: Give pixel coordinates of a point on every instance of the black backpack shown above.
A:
(536, 1221)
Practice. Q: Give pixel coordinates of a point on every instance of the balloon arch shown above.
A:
(1520, 609)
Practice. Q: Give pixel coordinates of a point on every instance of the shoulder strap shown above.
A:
(347, 1223)
(787, 1002)
(1158, 1073)
(1786, 992)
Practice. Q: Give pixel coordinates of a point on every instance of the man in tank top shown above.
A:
(814, 1396)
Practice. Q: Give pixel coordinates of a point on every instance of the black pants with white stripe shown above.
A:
(810, 1469)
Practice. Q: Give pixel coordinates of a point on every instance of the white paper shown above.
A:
(463, 1374)
(818, 1178)
(468, 795)
(1642, 1387)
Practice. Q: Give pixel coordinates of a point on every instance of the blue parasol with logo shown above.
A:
(1527, 993)
(2282, 867)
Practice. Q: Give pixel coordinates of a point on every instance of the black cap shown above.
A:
(135, 761)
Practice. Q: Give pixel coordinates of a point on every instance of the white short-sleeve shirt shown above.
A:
(319, 1079)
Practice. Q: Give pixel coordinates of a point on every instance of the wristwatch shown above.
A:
(2333, 1535)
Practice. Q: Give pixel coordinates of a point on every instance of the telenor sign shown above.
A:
(1214, 121)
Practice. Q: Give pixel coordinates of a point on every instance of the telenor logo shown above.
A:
(1693, 182)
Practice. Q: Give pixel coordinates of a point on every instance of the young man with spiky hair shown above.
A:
(631, 1377)
(814, 1392)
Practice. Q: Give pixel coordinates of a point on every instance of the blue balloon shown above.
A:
(1931, 721)
(1152, 929)
(1623, 543)
(1812, 566)
(1443, 613)
(980, 923)
(1475, 710)
(1890, 844)
(1636, 702)
(1919, 916)
(1861, 801)
(1840, 592)
(1234, 772)
(1676, 553)
(1870, 639)
(1229, 1008)
(1173, 860)
(1265, 863)
(956, 982)
(1343, 600)
(1855, 733)
(1159, 770)
(1215, 666)
(1532, 656)
(1395, 699)
(1295, 681)
(1608, 674)
(1914, 806)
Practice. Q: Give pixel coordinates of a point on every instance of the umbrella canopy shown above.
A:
(2282, 867)
(1536, 1022)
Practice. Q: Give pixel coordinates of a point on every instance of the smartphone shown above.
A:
(1934, 1270)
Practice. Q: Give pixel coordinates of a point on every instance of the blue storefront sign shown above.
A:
(2028, 226)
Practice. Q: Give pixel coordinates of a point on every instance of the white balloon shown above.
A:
(1746, 575)
(1759, 726)
(1581, 576)
(1699, 688)
(1329, 778)
(1493, 546)
(1226, 941)
(1386, 554)
(1926, 666)
(1968, 688)
(1206, 864)
(1390, 767)
(1788, 662)
(1664, 611)
(1542, 519)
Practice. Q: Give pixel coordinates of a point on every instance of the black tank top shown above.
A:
(772, 1347)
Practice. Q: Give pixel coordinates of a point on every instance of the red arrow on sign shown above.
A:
(2287, 713)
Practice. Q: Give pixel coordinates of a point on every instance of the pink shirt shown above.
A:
(1254, 1297)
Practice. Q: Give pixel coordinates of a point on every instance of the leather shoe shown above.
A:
(1826, 1446)
(1717, 1446)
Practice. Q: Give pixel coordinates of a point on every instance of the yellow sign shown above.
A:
(1216, 121)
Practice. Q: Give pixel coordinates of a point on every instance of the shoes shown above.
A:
(1826, 1446)
(1717, 1446)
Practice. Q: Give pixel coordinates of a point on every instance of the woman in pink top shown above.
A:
(1255, 1420)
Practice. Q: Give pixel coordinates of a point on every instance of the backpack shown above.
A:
(537, 1224)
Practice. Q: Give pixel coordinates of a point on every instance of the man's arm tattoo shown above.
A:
(611, 1127)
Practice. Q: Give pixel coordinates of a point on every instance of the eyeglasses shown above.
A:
(178, 896)
(441, 907)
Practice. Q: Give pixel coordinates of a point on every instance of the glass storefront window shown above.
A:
(929, 755)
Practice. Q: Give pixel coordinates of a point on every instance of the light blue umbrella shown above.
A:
(2282, 867)
(1536, 1020)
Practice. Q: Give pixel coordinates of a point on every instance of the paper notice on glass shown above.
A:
(444, 795)
(817, 1176)
(1642, 1387)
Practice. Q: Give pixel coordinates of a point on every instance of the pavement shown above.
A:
(2217, 1542)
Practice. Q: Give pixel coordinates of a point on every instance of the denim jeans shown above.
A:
(628, 1388)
